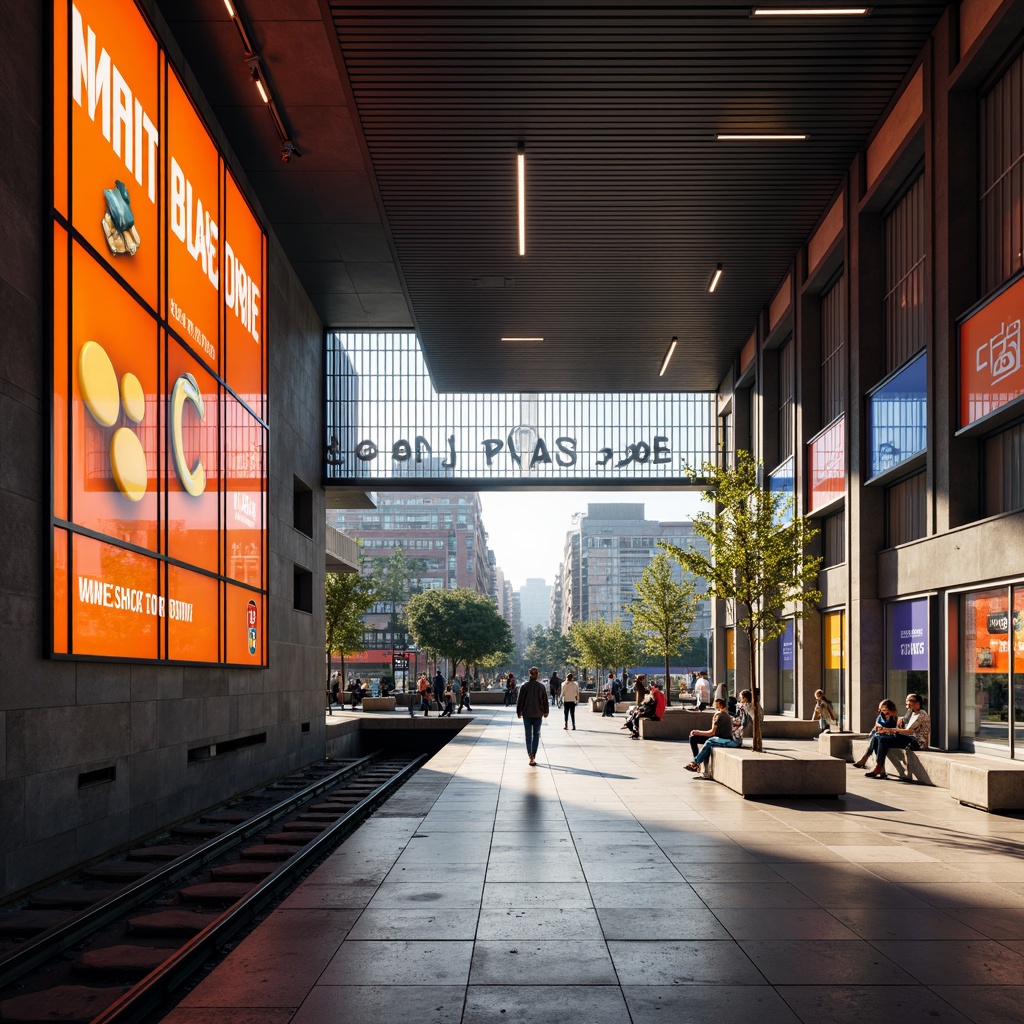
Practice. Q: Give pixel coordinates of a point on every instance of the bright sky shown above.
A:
(526, 529)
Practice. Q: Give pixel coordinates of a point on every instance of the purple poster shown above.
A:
(908, 636)
(787, 651)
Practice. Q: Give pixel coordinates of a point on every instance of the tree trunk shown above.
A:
(330, 710)
(668, 681)
(755, 691)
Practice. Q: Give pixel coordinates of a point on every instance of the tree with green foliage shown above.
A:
(395, 579)
(663, 612)
(601, 645)
(459, 625)
(758, 557)
(348, 596)
(548, 648)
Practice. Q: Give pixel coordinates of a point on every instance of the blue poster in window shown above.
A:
(898, 417)
(908, 636)
(787, 648)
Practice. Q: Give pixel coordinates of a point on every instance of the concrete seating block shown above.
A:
(782, 728)
(379, 704)
(840, 744)
(990, 785)
(675, 724)
(768, 774)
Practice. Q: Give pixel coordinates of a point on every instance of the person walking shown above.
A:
(439, 683)
(570, 698)
(532, 708)
(424, 690)
(510, 689)
(464, 696)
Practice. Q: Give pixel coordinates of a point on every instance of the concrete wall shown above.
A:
(59, 719)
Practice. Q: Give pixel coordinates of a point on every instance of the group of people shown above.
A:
(913, 731)
(443, 691)
(649, 704)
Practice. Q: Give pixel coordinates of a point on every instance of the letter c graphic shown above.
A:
(186, 390)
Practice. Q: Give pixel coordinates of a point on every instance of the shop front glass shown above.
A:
(787, 669)
(992, 680)
(730, 660)
(835, 663)
(906, 631)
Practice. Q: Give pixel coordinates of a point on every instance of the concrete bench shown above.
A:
(770, 774)
(989, 783)
(379, 703)
(677, 723)
(597, 705)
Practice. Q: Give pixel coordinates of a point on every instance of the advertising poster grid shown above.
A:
(158, 509)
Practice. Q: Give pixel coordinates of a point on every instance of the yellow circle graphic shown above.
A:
(128, 461)
(133, 398)
(98, 383)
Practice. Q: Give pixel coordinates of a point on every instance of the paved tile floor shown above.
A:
(608, 885)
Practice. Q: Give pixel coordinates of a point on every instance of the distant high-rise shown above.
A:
(607, 551)
(534, 603)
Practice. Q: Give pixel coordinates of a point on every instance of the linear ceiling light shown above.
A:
(522, 339)
(758, 137)
(231, 10)
(808, 12)
(668, 355)
(521, 193)
(715, 278)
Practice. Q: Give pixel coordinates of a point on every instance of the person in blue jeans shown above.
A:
(532, 708)
(719, 735)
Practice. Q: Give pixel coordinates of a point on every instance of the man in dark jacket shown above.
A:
(532, 708)
(439, 684)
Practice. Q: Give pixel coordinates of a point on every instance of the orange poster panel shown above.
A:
(244, 298)
(59, 466)
(991, 370)
(191, 415)
(193, 227)
(115, 137)
(835, 656)
(114, 397)
(245, 445)
(60, 591)
(244, 627)
(60, 106)
(115, 601)
(192, 616)
(991, 634)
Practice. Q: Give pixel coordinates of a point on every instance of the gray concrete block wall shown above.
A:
(59, 719)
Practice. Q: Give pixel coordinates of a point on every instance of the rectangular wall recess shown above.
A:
(86, 780)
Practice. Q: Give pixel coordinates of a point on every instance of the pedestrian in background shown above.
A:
(464, 696)
(532, 708)
(570, 697)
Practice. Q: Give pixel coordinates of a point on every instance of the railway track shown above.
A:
(114, 944)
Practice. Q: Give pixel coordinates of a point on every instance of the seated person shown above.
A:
(357, 693)
(653, 707)
(886, 720)
(914, 731)
(449, 701)
(609, 703)
(719, 735)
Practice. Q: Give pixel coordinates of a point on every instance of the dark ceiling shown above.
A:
(401, 211)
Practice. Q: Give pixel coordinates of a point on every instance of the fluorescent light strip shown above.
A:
(668, 356)
(759, 137)
(231, 10)
(522, 339)
(716, 278)
(808, 12)
(521, 189)
(263, 92)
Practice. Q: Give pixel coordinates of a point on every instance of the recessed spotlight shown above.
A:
(809, 12)
(522, 339)
(715, 278)
(668, 355)
(758, 137)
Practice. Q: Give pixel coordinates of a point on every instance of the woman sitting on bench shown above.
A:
(913, 732)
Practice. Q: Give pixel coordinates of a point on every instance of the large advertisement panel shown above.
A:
(991, 369)
(826, 466)
(159, 278)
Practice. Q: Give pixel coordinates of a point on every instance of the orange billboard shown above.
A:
(991, 370)
(159, 337)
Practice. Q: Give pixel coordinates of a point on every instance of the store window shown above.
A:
(787, 402)
(834, 682)
(787, 669)
(1004, 471)
(906, 518)
(833, 532)
(906, 631)
(992, 675)
(898, 417)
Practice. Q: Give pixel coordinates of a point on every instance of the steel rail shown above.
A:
(148, 994)
(32, 954)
